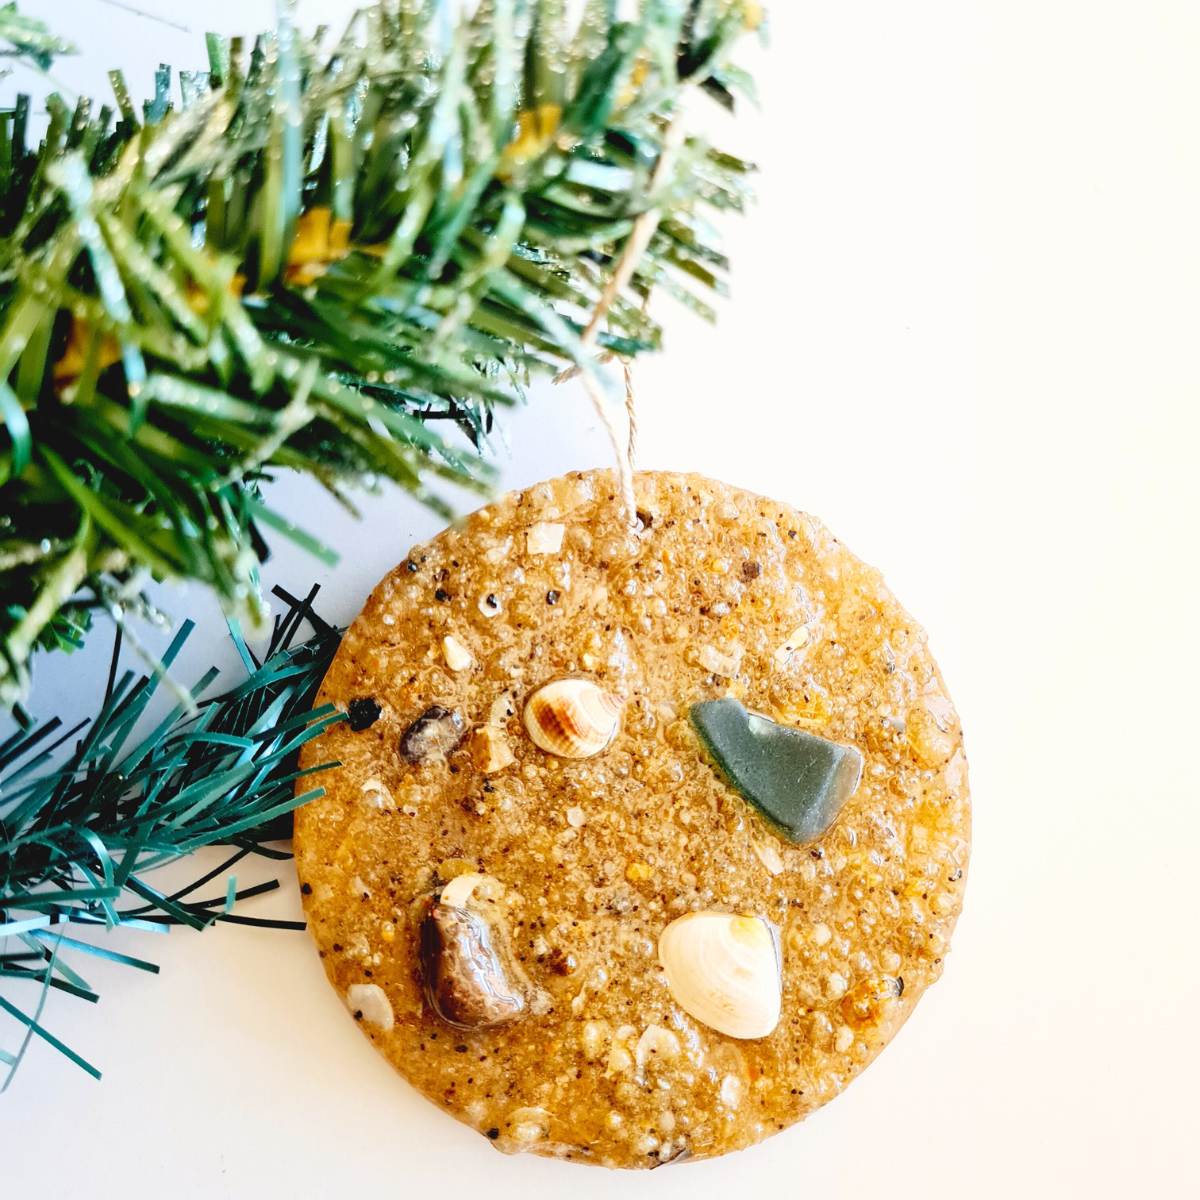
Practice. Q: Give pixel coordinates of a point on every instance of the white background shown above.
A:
(964, 332)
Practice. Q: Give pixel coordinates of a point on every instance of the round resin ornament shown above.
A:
(643, 843)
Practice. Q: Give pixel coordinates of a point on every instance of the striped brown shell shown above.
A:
(572, 718)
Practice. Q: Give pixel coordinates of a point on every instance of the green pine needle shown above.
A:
(315, 255)
(30, 39)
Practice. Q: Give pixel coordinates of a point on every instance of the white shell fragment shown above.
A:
(724, 970)
(797, 641)
(769, 857)
(459, 891)
(656, 1045)
(376, 795)
(371, 1001)
(502, 708)
(489, 751)
(717, 661)
(572, 718)
(458, 657)
(546, 537)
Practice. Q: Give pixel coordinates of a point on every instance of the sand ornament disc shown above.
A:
(578, 909)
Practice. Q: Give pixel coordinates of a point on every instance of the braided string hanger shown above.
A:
(635, 246)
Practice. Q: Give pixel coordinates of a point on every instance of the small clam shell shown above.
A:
(572, 718)
(724, 970)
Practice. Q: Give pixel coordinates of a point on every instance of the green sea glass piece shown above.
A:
(798, 781)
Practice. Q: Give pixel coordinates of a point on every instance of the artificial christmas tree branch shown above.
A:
(324, 249)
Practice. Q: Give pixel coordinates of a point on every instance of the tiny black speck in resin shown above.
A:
(363, 713)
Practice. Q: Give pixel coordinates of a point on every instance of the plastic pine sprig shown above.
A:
(313, 254)
(28, 39)
(83, 823)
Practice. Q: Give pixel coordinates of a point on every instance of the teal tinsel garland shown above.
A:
(86, 813)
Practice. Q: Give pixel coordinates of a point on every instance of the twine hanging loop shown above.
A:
(635, 247)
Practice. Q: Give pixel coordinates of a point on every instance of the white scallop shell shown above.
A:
(724, 970)
(572, 718)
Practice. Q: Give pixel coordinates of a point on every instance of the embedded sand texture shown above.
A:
(721, 593)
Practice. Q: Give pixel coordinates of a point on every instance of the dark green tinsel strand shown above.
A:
(81, 828)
